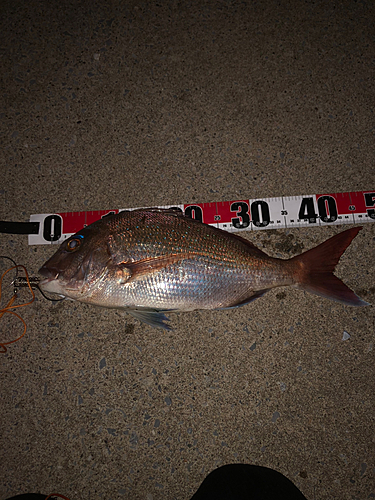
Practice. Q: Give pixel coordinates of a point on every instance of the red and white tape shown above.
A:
(238, 215)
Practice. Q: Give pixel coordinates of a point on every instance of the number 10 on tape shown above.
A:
(238, 215)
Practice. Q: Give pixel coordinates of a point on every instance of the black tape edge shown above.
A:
(19, 227)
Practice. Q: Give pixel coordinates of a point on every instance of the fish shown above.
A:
(151, 261)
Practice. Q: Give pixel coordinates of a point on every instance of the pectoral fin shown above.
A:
(151, 317)
(134, 270)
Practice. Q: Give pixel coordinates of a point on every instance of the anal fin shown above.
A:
(249, 298)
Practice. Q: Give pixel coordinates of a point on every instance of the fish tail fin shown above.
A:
(314, 269)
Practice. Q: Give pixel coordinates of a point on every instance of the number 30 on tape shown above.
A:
(238, 215)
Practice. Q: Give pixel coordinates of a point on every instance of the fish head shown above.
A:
(77, 266)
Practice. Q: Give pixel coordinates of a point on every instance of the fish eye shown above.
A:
(74, 243)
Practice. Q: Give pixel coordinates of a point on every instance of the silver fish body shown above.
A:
(148, 261)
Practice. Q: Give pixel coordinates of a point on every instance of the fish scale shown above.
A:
(210, 280)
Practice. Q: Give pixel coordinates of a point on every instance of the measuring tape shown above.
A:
(238, 215)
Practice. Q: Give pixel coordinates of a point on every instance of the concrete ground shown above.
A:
(124, 104)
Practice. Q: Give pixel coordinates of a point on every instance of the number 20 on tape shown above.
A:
(237, 215)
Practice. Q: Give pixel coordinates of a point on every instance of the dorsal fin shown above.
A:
(250, 245)
(176, 211)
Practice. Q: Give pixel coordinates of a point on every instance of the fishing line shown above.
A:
(13, 262)
(49, 298)
(8, 309)
(18, 282)
(22, 282)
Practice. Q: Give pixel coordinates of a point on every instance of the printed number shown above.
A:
(327, 208)
(52, 228)
(307, 210)
(370, 202)
(260, 213)
(194, 212)
(243, 219)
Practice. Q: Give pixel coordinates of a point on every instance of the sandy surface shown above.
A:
(124, 104)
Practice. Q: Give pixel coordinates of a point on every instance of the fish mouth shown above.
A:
(56, 282)
(53, 274)
(51, 282)
(49, 273)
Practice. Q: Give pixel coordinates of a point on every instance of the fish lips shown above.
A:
(49, 273)
(51, 282)
(51, 276)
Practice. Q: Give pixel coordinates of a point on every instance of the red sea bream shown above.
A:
(150, 261)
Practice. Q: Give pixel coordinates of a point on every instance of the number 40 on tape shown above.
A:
(238, 215)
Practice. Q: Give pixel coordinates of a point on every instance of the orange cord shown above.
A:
(9, 306)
